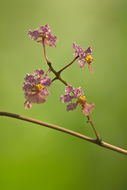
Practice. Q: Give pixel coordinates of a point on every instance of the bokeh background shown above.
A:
(34, 157)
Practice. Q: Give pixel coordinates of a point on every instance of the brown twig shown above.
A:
(73, 133)
(46, 58)
(68, 65)
(58, 77)
(94, 128)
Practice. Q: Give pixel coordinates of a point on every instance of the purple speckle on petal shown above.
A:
(44, 29)
(66, 98)
(69, 89)
(71, 106)
(89, 51)
(51, 39)
(78, 49)
(34, 35)
(27, 87)
(46, 81)
(39, 72)
(29, 78)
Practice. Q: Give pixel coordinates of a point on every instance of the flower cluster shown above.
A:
(44, 33)
(83, 56)
(78, 94)
(35, 85)
(35, 88)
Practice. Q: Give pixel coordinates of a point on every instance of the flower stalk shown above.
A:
(99, 139)
(68, 65)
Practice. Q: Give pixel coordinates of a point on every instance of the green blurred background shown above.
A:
(33, 157)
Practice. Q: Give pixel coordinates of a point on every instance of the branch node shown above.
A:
(99, 140)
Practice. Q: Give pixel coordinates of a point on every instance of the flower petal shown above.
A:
(27, 105)
(90, 68)
(45, 92)
(81, 63)
(46, 81)
(69, 89)
(39, 72)
(66, 98)
(89, 50)
(79, 92)
(87, 108)
(34, 35)
(30, 78)
(71, 106)
(78, 49)
(44, 29)
(37, 98)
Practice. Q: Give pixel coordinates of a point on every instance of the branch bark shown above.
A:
(73, 133)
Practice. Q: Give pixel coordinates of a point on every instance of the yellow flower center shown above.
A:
(39, 87)
(81, 100)
(89, 59)
(41, 35)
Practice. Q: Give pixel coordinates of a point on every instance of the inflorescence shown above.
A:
(35, 88)
(83, 56)
(43, 33)
(77, 95)
(36, 84)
